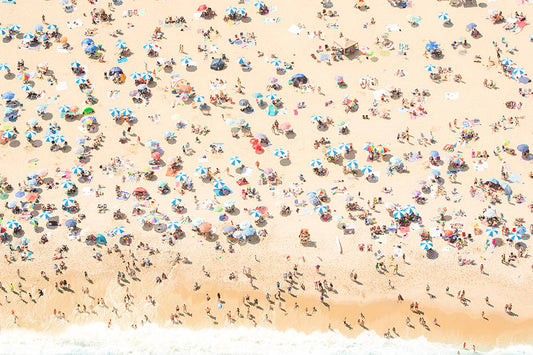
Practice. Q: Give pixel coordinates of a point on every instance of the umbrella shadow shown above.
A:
(432, 254)
(235, 212)
(168, 69)
(284, 162)
(213, 238)
(147, 227)
(9, 76)
(525, 236)
(66, 149)
(47, 116)
(152, 84)
(191, 68)
(448, 24)
(254, 239)
(246, 20)
(291, 135)
(15, 143)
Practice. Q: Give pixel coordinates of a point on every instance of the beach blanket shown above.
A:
(9, 1)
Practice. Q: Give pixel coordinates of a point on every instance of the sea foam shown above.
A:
(96, 338)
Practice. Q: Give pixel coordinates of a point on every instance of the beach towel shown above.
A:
(9, 1)
(393, 28)
(295, 29)
(514, 178)
(122, 60)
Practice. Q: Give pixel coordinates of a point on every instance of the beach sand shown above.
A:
(271, 256)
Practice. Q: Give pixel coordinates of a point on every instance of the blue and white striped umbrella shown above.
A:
(119, 230)
(366, 169)
(121, 44)
(49, 137)
(316, 118)
(8, 133)
(181, 176)
(51, 27)
(398, 213)
(275, 62)
(186, 60)
(148, 45)
(30, 134)
(63, 108)
(241, 11)
(114, 111)
(176, 202)
(12, 224)
(4, 66)
(241, 60)
(67, 184)
(135, 76)
(515, 236)
(426, 244)
(409, 209)
(69, 201)
(344, 147)
(45, 215)
(444, 16)
(75, 65)
(126, 111)
(14, 28)
(352, 164)
(280, 153)
(271, 96)
(235, 161)
(199, 98)
(4, 31)
(59, 138)
(519, 72)
(27, 87)
(259, 3)
(231, 10)
(429, 67)
(507, 61)
(491, 231)
(169, 134)
(173, 225)
(255, 213)
(146, 76)
(321, 208)
(81, 80)
(77, 169)
(201, 170)
(316, 162)
(28, 35)
(331, 152)
(219, 183)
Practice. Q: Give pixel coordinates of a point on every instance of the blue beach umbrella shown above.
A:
(426, 244)
(280, 153)
(235, 161)
(321, 208)
(67, 184)
(316, 162)
(491, 231)
(352, 164)
(173, 225)
(255, 213)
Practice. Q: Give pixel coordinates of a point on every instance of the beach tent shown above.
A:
(346, 45)
(217, 64)
(100, 239)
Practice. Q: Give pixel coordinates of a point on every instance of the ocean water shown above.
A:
(98, 339)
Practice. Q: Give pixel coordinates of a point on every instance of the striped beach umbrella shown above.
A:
(241, 11)
(316, 118)
(515, 236)
(231, 10)
(45, 215)
(29, 35)
(121, 44)
(68, 201)
(201, 170)
(119, 230)
(148, 45)
(81, 80)
(59, 138)
(219, 183)
(235, 161)
(135, 75)
(63, 108)
(429, 67)
(255, 213)
(398, 213)
(519, 72)
(280, 152)
(173, 225)
(506, 61)
(316, 162)
(444, 16)
(181, 176)
(352, 164)
(409, 209)
(126, 112)
(12, 224)
(186, 60)
(14, 28)
(241, 60)
(199, 98)
(259, 3)
(75, 65)
(67, 184)
(176, 202)
(30, 134)
(51, 27)
(146, 76)
(426, 244)
(491, 231)
(4, 66)
(275, 62)
(77, 169)
(331, 152)
(271, 96)
(114, 111)
(321, 208)
(8, 133)
(27, 87)
(366, 169)
(344, 147)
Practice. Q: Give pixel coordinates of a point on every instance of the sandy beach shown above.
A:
(334, 167)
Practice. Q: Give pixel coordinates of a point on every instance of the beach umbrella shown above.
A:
(344, 147)
(257, 95)
(434, 153)
(146, 76)
(219, 183)
(395, 161)
(331, 152)
(398, 214)
(522, 148)
(81, 80)
(271, 96)
(368, 146)
(201, 170)
(471, 26)
(141, 86)
(245, 224)
(59, 138)
(275, 62)
(352, 164)
(205, 227)
(23, 75)
(241, 60)
(248, 232)
(114, 112)
(75, 65)
(259, 3)
(63, 108)
(31, 182)
(491, 231)
(186, 60)
(4, 66)
(45, 215)
(168, 134)
(506, 61)
(126, 112)
(409, 209)
(51, 27)
(14, 28)
(199, 98)
(316, 162)
(4, 31)
(444, 16)
(135, 75)
(67, 184)
(241, 11)
(521, 229)
(90, 49)
(426, 244)
(366, 169)
(280, 153)
(429, 67)
(244, 102)
(28, 35)
(30, 134)
(316, 118)
(68, 201)
(321, 208)
(255, 213)
(173, 225)
(181, 176)
(435, 172)
(519, 72)
(119, 230)
(8, 95)
(231, 10)
(515, 236)
(12, 224)
(77, 169)
(148, 45)
(8, 133)
(70, 223)
(431, 46)
(12, 203)
(27, 87)
(121, 45)
(228, 229)
(235, 161)
(229, 203)
(87, 41)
